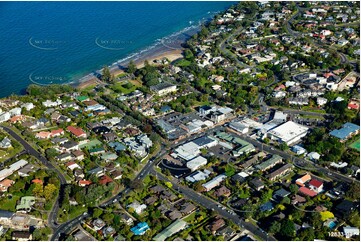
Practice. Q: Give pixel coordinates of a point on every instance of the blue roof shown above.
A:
(140, 228)
(117, 146)
(203, 141)
(165, 108)
(268, 206)
(345, 131)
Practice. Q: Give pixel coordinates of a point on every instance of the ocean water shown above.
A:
(59, 42)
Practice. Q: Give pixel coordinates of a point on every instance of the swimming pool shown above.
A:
(332, 224)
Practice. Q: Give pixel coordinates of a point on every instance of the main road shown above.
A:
(31, 151)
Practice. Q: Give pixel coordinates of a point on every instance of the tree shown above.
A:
(354, 191)
(106, 76)
(287, 229)
(38, 190)
(97, 212)
(275, 227)
(307, 234)
(293, 188)
(108, 217)
(326, 215)
(131, 67)
(50, 191)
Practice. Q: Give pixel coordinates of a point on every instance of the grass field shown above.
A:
(9, 204)
(356, 145)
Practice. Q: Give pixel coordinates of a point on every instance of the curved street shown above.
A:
(31, 151)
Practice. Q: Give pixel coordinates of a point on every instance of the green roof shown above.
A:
(26, 203)
(91, 144)
(270, 162)
(96, 150)
(82, 98)
(173, 228)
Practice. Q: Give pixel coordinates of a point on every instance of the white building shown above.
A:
(163, 88)
(198, 176)
(5, 117)
(197, 162)
(350, 231)
(12, 168)
(314, 156)
(49, 103)
(279, 94)
(214, 182)
(289, 132)
(138, 208)
(28, 106)
(240, 127)
(15, 111)
(299, 150)
(321, 101)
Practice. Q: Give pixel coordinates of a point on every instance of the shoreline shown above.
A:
(169, 47)
(171, 55)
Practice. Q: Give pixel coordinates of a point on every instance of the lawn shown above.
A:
(356, 145)
(126, 88)
(9, 204)
(315, 110)
(190, 217)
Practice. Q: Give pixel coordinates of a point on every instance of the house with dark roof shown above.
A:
(268, 206)
(21, 235)
(222, 191)
(216, 225)
(345, 208)
(280, 194)
(257, 184)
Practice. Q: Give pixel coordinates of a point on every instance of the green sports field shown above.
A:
(356, 145)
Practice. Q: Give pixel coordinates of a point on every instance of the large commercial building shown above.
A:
(190, 150)
(197, 162)
(289, 132)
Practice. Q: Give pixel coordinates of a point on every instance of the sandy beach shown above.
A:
(171, 55)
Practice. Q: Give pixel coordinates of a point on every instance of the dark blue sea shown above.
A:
(58, 42)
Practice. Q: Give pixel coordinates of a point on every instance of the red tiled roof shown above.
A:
(6, 183)
(38, 181)
(57, 131)
(70, 163)
(17, 118)
(308, 192)
(76, 131)
(85, 182)
(352, 106)
(105, 180)
(315, 183)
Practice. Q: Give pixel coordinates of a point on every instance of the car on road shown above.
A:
(115, 200)
(272, 148)
(85, 213)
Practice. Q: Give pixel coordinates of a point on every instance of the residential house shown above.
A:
(5, 184)
(137, 207)
(216, 225)
(21, 235)
(222, 191)
(316, 185)
(77, 132)
(98, 224)
(257, 184)
(5, 143)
